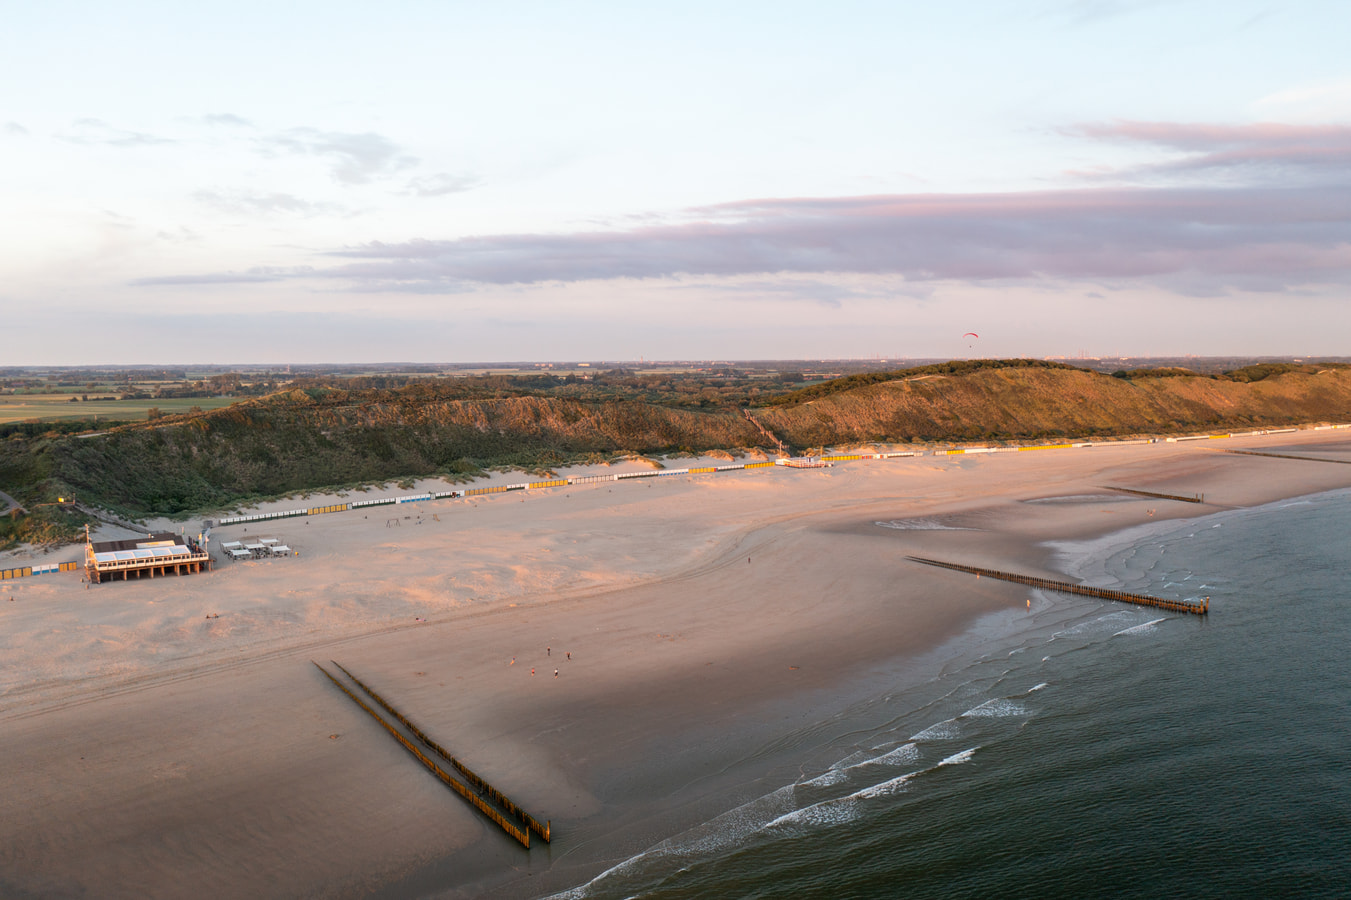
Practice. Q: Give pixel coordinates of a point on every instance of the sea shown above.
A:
(1082, 747)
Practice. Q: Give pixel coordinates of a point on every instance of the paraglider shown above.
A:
(970, 334)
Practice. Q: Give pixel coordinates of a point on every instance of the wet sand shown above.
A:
(154, 752)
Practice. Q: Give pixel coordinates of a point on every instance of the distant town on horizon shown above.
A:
(808, 366)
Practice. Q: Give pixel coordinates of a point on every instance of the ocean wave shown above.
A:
(841, 810)
(828, 778)
(999, 707)
(839, 773)
(958, 758)
(1142, 628)
(940, 731)
(845, 809)
(723, 831)
(906, 753)
(854, 759)
(888, 788)
(1095, 626)
(824, 814)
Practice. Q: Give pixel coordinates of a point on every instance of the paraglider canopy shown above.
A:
(971, 334)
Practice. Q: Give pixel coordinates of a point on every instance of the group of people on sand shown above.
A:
(548, 651)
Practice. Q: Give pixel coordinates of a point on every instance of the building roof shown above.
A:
(150, 542)
(142, 553)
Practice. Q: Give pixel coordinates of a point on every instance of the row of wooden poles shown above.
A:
(1289, 456)
(1197, 608)
(523, 823)
(1197, 498)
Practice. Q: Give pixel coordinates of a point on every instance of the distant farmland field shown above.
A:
(56, 407)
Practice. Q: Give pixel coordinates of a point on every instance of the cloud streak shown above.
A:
(244, 203)
(1263, 152)
(256, 275)
(96, 131)
(354, 158)
(441, 184)
(228, 119)
(1200, 240)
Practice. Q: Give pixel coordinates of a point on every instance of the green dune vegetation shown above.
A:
(328, 437)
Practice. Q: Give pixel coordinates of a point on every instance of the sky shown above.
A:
(312, 182)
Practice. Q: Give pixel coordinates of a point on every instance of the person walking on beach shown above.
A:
(555, 673)
(532, 670)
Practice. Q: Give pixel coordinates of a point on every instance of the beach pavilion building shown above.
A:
(153, 554)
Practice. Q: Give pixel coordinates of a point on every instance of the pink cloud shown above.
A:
(1265, 237)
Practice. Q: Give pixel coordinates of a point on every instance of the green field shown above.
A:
(58, 408)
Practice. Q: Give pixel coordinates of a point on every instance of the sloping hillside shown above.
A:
(295, 441)
(303, 440)
(1021, 403)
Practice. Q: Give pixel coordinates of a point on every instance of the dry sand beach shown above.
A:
(152, 749)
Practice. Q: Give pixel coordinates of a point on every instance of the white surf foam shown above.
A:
(941, 731)
(1142, 628)
(906, 753)
(958, 758)
(1095, 626)
(828, 778)
(888, 788)
(723, 831)
(845, 809)
(997, 708)
(853, 759)
(824, 814)
(838, 773)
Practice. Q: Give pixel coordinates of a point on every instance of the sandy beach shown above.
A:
(169, 737)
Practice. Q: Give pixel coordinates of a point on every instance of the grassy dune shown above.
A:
(303, 440)
(1027, 403)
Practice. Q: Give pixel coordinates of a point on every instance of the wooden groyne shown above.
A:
(521, 835)
(1344, 462)
(477, 781)
(1196, 608)
(1196, 498)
